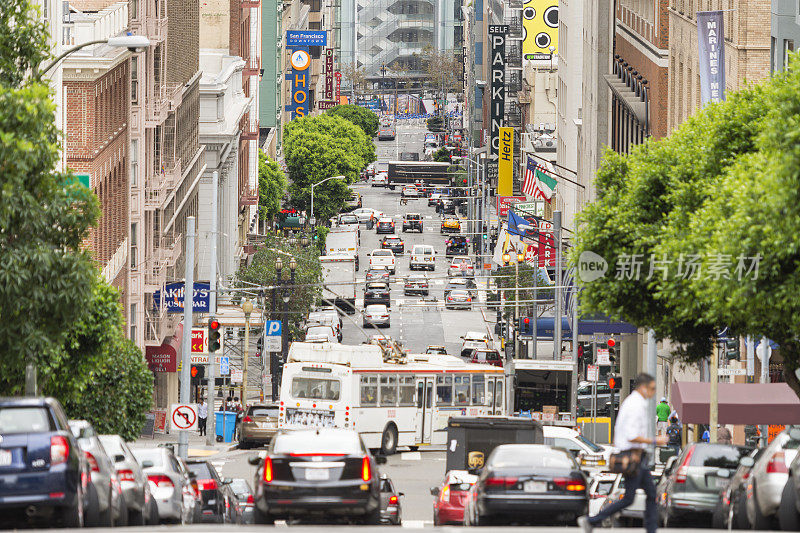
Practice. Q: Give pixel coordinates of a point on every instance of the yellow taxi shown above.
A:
(451, 224)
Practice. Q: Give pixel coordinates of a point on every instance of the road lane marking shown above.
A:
(410, 456)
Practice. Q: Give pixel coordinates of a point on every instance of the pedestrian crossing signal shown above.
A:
(213, 335)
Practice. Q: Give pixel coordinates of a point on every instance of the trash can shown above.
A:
(228, 424)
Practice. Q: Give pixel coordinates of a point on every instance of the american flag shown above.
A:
(530, 185)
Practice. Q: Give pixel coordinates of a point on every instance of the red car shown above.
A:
(451, 497)
(487, 357)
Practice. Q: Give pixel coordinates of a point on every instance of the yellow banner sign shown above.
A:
(505, 167)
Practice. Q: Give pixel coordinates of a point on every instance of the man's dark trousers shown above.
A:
(641, 480)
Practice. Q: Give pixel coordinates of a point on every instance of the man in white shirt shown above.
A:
(630, 432)
(202, 416)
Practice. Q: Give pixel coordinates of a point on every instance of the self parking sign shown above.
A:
(273, 343)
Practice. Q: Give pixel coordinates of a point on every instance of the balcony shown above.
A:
(164, 256)
(252, 66)
(514, 27)
(160, 184)
(514, 56)
(513, 82)
(249, 127)
(248, 196)
(156, 28)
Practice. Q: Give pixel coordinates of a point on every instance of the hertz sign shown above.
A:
(300, 80)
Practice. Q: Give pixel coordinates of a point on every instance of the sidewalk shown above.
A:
(197, 444)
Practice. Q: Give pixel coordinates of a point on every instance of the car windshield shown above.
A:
(717, 456)
(316, 388)
(111, 445)
(393, 239)
(376, 286)
(264, 411)
(589, 444)
(25, 420)
(148, 454)
(319, 330)
(324, 442)
(384, 221)
(412, 217)
(487, 355)
(524, 455)
(349, 219)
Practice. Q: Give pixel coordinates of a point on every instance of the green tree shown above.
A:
(360, 116)
(45, 277)
(318, 147)
(271, 186)
(442, 155)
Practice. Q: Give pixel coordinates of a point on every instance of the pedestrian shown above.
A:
(724, 435)
(674, 435)
(706, 435)
(202, 416)
(630, 435)
(663, 411)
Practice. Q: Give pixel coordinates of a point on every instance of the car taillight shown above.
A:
(444, 495)
(267, 476)
(392, 500)
(92, 461)
(469, 299)
(777, 465)
(206, 484)
(500, 481)
(247, 419)
(161, 481)
(250, 499)
(680, 474)
(366, 469)
(125, 475)
(572, 485)
(59, 450)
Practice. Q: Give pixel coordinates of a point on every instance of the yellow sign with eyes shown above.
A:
(540, 25)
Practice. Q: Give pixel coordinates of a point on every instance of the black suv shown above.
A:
(393, 243)
(377, 292)
(217, 496)
(456, 245)
(412, 222)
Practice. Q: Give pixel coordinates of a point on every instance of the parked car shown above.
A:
(461, 266)
(170, 484)
(412, 222)
(789, 509)
(393, 243)
(377, 292)
(768, 478)
(731, 509)
(132, 479)
(259, 425)
(473, 340)
(347, 219)
(384, 225)
(485, 356)
(451, 224)
(317, 473)
(456, 245)
(591, 457)
(410, 191)
(382, 258)
(451, 497)
(376, 315)
(458, 299)
(244, 500)
(467, 284)
(423, 257)
(354, 200)
(321, 334)
(41, 465)
(391, 508)
(416, 284)
(525, 482)
(216, 493)
(100, 489)
(691, 482)
(436, 349)
(378, 274)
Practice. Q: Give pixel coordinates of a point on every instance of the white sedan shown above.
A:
(365, 214)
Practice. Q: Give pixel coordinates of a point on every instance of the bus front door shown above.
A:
(424, 410)
(495, 396)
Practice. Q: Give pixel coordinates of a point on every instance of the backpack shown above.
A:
(674, 433)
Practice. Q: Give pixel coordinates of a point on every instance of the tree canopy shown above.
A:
(271, 186)
(699, 229)
(360, 116)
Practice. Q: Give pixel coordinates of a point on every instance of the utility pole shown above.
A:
(559, 290)
(574, 387)
(713, 391)
(651, 368)
(247, 308)
(186, 344)
(211, 390)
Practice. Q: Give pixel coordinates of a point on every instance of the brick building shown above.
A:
(95, 91)
(747, 50)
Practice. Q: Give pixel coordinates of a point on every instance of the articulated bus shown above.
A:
(391, 402)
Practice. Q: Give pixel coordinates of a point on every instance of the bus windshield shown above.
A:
(316, 388)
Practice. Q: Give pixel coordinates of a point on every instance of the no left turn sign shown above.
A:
(184, 416)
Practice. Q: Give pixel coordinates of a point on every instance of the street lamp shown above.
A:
(552, 52)
(247, 309)
(134, 43)
(313, 185)
(286, 296)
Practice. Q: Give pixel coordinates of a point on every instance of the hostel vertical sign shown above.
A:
(505, 176)
(300, 80)
(711, 46)
(497, 67)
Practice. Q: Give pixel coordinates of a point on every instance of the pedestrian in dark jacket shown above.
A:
(674, 434)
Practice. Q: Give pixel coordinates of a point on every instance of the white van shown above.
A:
(423, 257)
(474, 340)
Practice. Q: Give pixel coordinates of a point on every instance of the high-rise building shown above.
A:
(785, 32)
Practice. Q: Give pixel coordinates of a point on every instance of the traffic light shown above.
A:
(198, 372)
(731, 348)
(613, 382)
(213, 335)
(525, 326)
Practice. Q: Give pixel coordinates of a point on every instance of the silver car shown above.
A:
(101, 491)
(376, 315)
(170, 484)
(767, 480)
(131, 477)
(458, 299)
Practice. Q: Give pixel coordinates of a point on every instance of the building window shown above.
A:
(134, 79)
(134, 156)
(134, 248)
(133, 8)
(788, 47)
(132, 322)
(45, 9)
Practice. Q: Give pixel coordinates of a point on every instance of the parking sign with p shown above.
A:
(273, 335)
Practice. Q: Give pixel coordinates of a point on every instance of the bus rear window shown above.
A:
(316, 388)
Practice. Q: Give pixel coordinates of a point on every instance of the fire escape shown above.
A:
(249, 127)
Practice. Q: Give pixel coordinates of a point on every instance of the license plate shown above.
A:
(5, 457)
(535, 486)
(721, 482)
(317, 474)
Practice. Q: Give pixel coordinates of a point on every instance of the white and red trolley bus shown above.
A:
(390, 402)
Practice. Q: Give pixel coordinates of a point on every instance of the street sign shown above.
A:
(530, 208)
(173, 297)
(273, 336)
(224, 366)
(592, 373)
(727, 371)
(183, 416)
(603, 358)
(200, 343)
(236, 375)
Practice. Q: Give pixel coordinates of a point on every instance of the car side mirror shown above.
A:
(147, 464)
(227, 481)
(747, 462)
(380, 459)
(254, 460)
(435, 491)
(118, 458)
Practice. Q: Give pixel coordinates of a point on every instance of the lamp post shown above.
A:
(134, 43)
(519, 257)
(247, 309)
(286, 296)
(273, 356)
(383, 82)
(313, 186)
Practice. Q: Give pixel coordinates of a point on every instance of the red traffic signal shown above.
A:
(214, 342)
(194, 371)
(612, 383)
(527, 320)
(611, 343)
(214, 325)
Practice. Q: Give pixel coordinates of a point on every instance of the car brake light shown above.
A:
(267, 476)
(59, 450)
(250, 499)
(572, 485)
(206, 484)
(247, 419)
(366, 469)
(392, 500)
(92, 461)
(126, 475)
(161, 481)
(498, 481)
(680, 474)
(444, 496)
(777, 465)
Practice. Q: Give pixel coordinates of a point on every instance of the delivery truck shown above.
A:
(343, 240)
(339, 285)
(427, 173)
